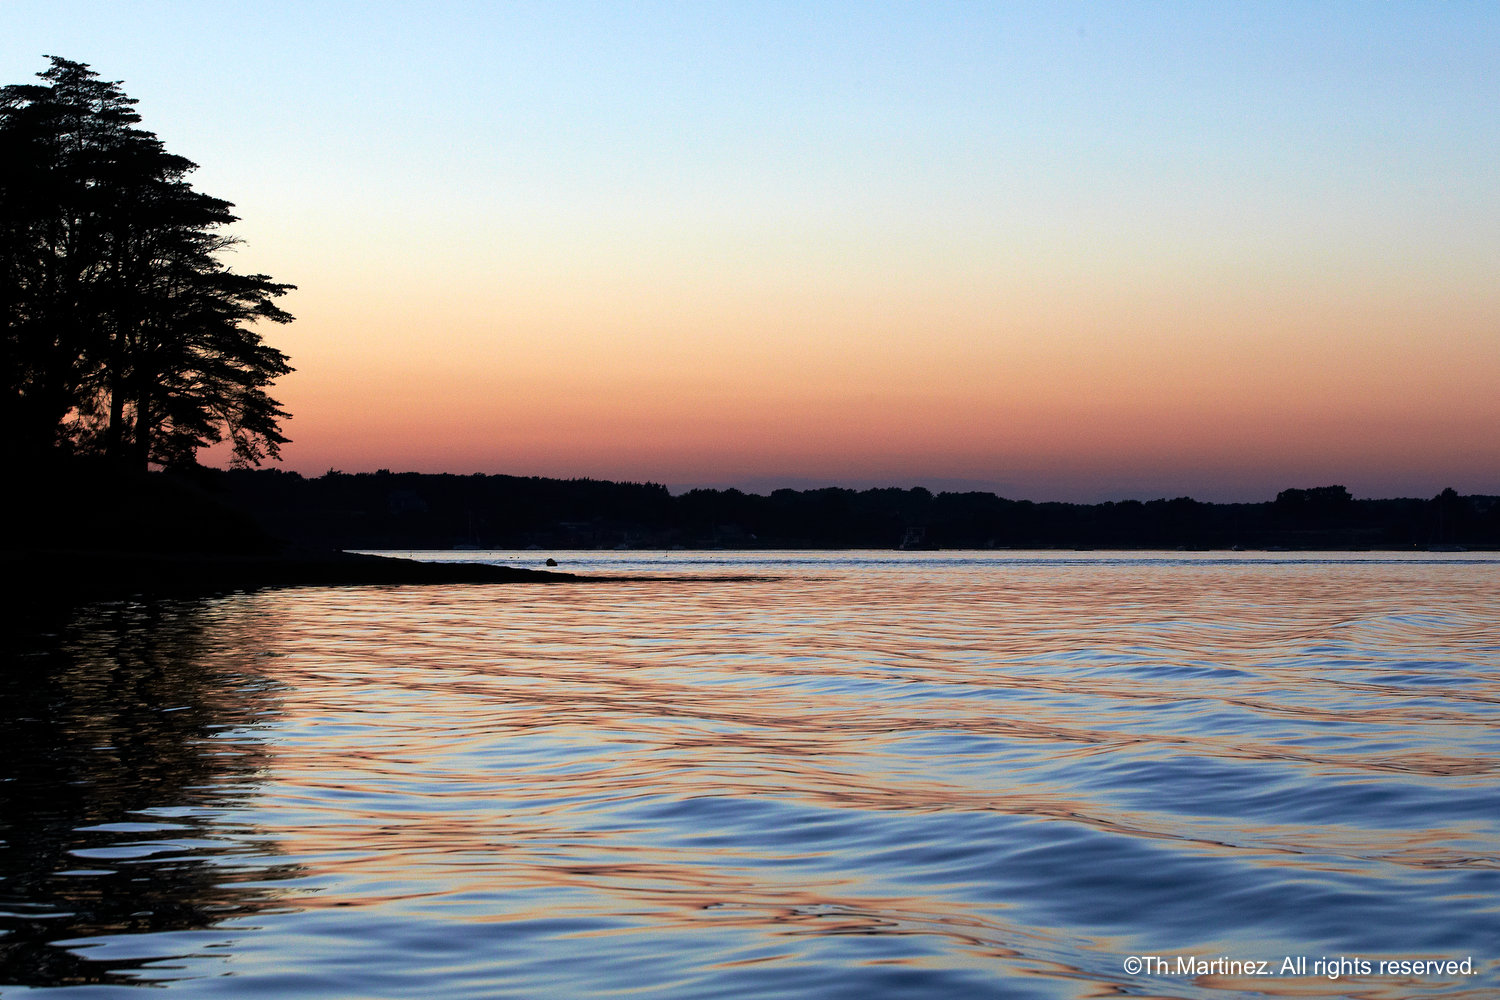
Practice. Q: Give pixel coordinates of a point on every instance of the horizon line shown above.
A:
(943, 485)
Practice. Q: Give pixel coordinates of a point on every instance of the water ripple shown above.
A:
(859, 775)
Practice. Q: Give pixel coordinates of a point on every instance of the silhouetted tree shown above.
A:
(1451, 516)
(121, 333)
(1320, 505)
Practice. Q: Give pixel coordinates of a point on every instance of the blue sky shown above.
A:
(1027, 245)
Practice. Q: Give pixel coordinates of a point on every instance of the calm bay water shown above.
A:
(772, 775)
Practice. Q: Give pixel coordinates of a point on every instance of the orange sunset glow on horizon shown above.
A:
(1054, 252)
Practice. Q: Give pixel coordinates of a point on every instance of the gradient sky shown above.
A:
(1059, 251)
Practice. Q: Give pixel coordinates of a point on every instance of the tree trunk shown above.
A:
(114, 435)
(140, 455)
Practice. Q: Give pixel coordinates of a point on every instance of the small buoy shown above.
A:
(551, 562)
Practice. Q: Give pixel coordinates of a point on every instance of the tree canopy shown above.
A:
(122, 333)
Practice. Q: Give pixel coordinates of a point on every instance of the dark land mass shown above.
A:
(91, 574)
(83, 531)
(87, 531)
(419, 511)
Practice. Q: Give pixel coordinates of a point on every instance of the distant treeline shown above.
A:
(386, 510)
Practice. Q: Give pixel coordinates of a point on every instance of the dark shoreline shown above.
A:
(52, 576)
(408, 511)
(85, 531)
(41, 582)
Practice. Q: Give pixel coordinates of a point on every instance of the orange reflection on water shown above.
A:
(788, 756)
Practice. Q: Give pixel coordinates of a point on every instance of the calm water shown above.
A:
(918, 775)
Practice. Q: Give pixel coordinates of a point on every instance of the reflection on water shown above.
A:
(127, 737)
(922, 776)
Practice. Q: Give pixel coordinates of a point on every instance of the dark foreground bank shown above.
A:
(87, 533)
(39, 575)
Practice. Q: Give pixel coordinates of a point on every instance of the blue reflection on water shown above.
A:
(855, 775)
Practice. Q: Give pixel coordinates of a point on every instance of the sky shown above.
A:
(1058, 251)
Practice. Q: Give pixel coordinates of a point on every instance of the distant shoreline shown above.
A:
(55, 578)
(87, 531)
(408, 511)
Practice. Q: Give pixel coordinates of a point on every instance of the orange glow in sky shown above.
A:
(1083, 253)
